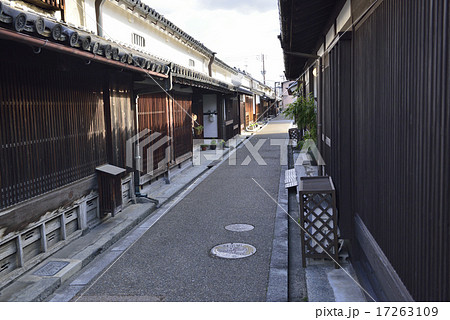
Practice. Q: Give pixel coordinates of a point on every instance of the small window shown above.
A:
(191, 63)
(137, 40)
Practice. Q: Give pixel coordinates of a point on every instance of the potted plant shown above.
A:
(198, 129)
(221, 143)
(252, 127)
(303, 112)
(213, 144)
(204, 147)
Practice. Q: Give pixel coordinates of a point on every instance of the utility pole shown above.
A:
(263, 69)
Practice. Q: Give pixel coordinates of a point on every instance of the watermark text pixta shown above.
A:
(351, 313)
(255, 152)
(145, 149)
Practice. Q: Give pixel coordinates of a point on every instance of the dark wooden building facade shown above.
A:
(169, 139)
(248, 113)
(383, 88)
(66, 108)
(71, 102)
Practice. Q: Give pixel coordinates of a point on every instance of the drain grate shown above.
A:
(51, 268)
(233, 250)
(239, 227)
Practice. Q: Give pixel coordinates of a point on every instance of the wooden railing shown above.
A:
(50, 5)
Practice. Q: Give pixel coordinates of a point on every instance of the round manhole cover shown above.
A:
(233, 250)
(239, 227)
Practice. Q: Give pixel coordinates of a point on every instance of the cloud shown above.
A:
(239, 5)
(239, 31)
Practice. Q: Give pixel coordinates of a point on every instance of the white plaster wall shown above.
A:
(75, 12)
(221, 74)
(246, 82)
(236, 79)
(119, 23)
(330, 36)
(344, 16)
(89, 8)
(210, 105)
(321, 51)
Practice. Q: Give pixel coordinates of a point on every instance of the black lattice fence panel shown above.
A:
(318, 219)
(295, 134)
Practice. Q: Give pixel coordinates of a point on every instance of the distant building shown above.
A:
(286, 98)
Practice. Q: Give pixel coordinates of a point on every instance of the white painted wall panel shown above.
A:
(210, 106)
(344, 16)
(119, 24)
(330, 36)
(74, 12)
(91, 23)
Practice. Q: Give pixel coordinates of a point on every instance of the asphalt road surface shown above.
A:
(172, 260)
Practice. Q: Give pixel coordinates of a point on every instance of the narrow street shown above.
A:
(172, 260)
(229, 151)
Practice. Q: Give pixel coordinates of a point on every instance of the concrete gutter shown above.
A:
(277, 290)
(297, 277)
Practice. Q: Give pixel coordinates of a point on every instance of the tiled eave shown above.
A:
(187, 76)
(43, 32)
(147, 13)
(153, 16)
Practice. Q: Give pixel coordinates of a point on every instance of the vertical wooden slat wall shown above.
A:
(52, 128)
(122, 116)
(153, 115)
(235, 117)
(172, 118)
(229, 118)
(248, 110)
(182, 125)
(258, 110)
(326, 113)
(197, 109)
(401, 147)
(242, 111)
(336, 148)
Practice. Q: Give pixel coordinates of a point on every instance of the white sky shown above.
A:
(238, 30)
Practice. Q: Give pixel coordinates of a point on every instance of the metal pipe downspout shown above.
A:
(99, 16)
(211, 61)
(137, 156)
(170, 80)
(140, 197)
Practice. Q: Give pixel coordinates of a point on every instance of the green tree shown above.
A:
(303, 112)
